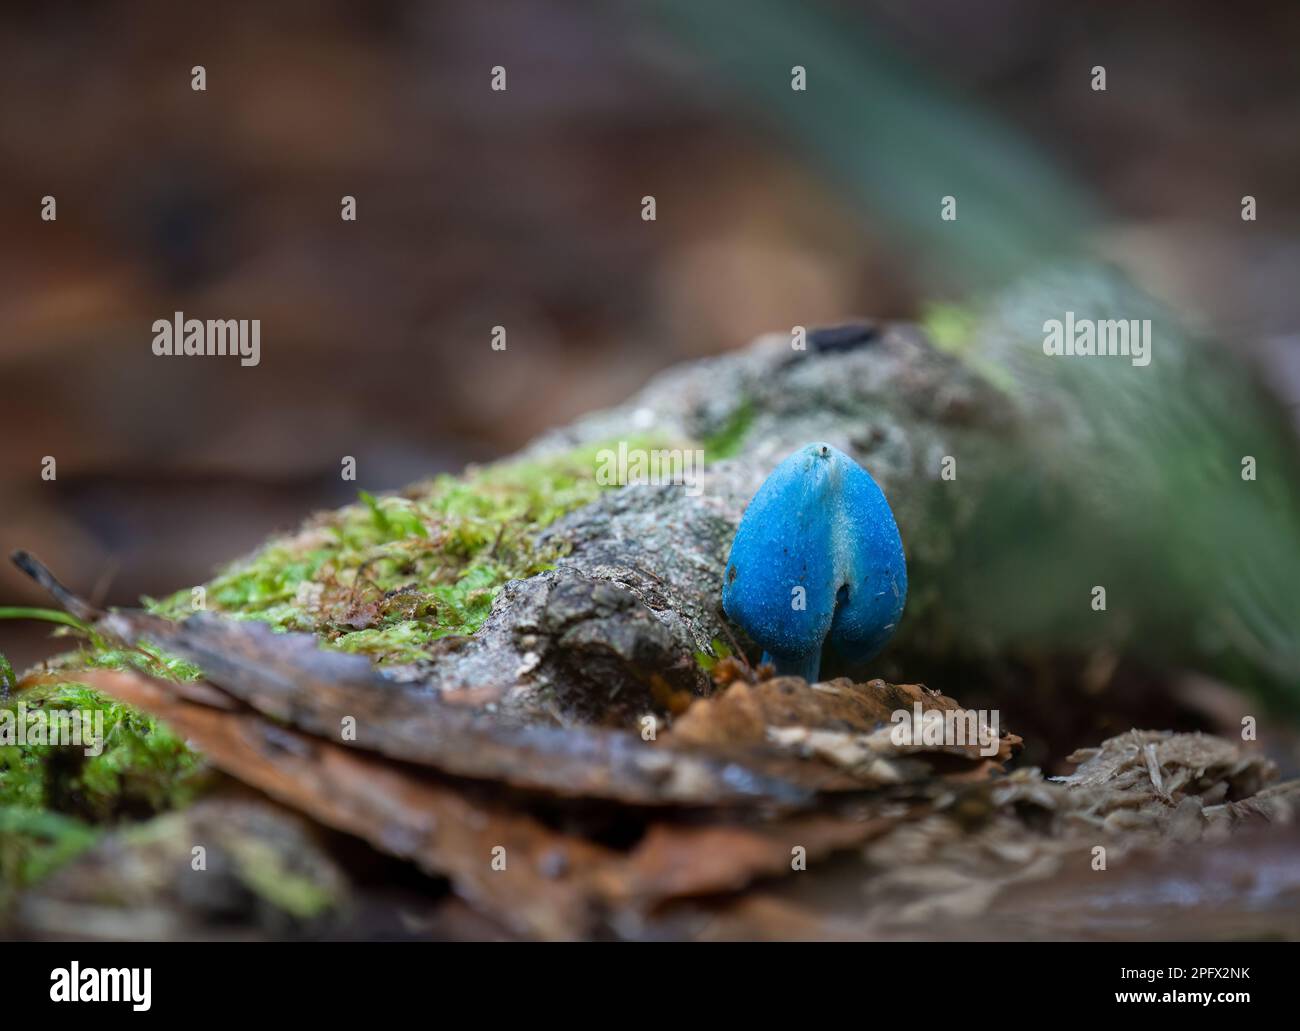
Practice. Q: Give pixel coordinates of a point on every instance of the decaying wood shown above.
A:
(772, 809)
(441, 829)
(290, 678)
(265, 872)
(936, 856)
(556, 884)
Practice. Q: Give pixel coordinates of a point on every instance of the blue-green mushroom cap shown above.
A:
(817, 561)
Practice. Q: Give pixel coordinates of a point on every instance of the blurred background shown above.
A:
(522, 208)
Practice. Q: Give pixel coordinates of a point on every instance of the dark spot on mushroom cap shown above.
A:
(731, 575)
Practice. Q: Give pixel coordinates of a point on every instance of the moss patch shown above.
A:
(268, 873)
(143, 768)
(730, 437)
(388, 576)
(36, 842)
(54, 797)
(708, 661)
(143, 658)
(385, 577)
(950, 326)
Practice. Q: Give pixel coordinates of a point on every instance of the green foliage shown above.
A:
(48, 615)
(1130, 477)
(1018, 208)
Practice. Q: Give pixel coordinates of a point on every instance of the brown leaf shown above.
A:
(555, 885)
(673, 861)
(841, 724)
(542, 892)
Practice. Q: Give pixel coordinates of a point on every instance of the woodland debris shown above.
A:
(936, 850)
(262, 871)
(337, 697)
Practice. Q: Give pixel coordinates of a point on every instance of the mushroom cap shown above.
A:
(817, 557)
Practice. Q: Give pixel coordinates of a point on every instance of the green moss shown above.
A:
(51, 795)
(730, 437)
(388, 576)
(953, 329)
(36, 842)
(950, 326)
(265, 870)
(142, 768)
(719, 650)
(143, 658)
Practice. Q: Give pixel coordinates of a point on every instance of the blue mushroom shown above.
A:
(817, 560)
